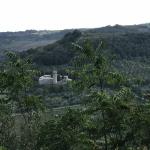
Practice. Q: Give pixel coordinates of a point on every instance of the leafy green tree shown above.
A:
(16, 80)
(7, 134)
(109, 101)
(66, 133)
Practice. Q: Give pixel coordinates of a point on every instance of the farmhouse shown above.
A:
(48, 79)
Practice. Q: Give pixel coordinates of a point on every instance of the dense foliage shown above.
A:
(111, 114)
(127, 42)
(20, 111)
(51, 54)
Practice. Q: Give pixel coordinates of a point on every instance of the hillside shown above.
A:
(131, 45)
(24, 40)
(107, 98)
(58, 53)
(123, 41)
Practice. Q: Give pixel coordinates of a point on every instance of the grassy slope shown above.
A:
(24, 40)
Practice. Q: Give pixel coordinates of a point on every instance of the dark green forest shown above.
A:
(123, 41)
(105, 107)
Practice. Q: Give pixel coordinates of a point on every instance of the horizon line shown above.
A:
(32, 29)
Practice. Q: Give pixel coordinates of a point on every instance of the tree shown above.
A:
(7, 133)
(16, 80)
(65, 133)
(109, 100)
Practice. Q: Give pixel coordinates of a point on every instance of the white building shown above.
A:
(48, 79)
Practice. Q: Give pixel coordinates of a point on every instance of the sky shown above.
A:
(20, 15)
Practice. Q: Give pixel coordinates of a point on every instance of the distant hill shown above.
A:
(24, 40)
(124, 41)
(58, 53)
(50, 49)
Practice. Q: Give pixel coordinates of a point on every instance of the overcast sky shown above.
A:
(16, 15)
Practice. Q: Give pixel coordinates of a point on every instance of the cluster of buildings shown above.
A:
(53, 79)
